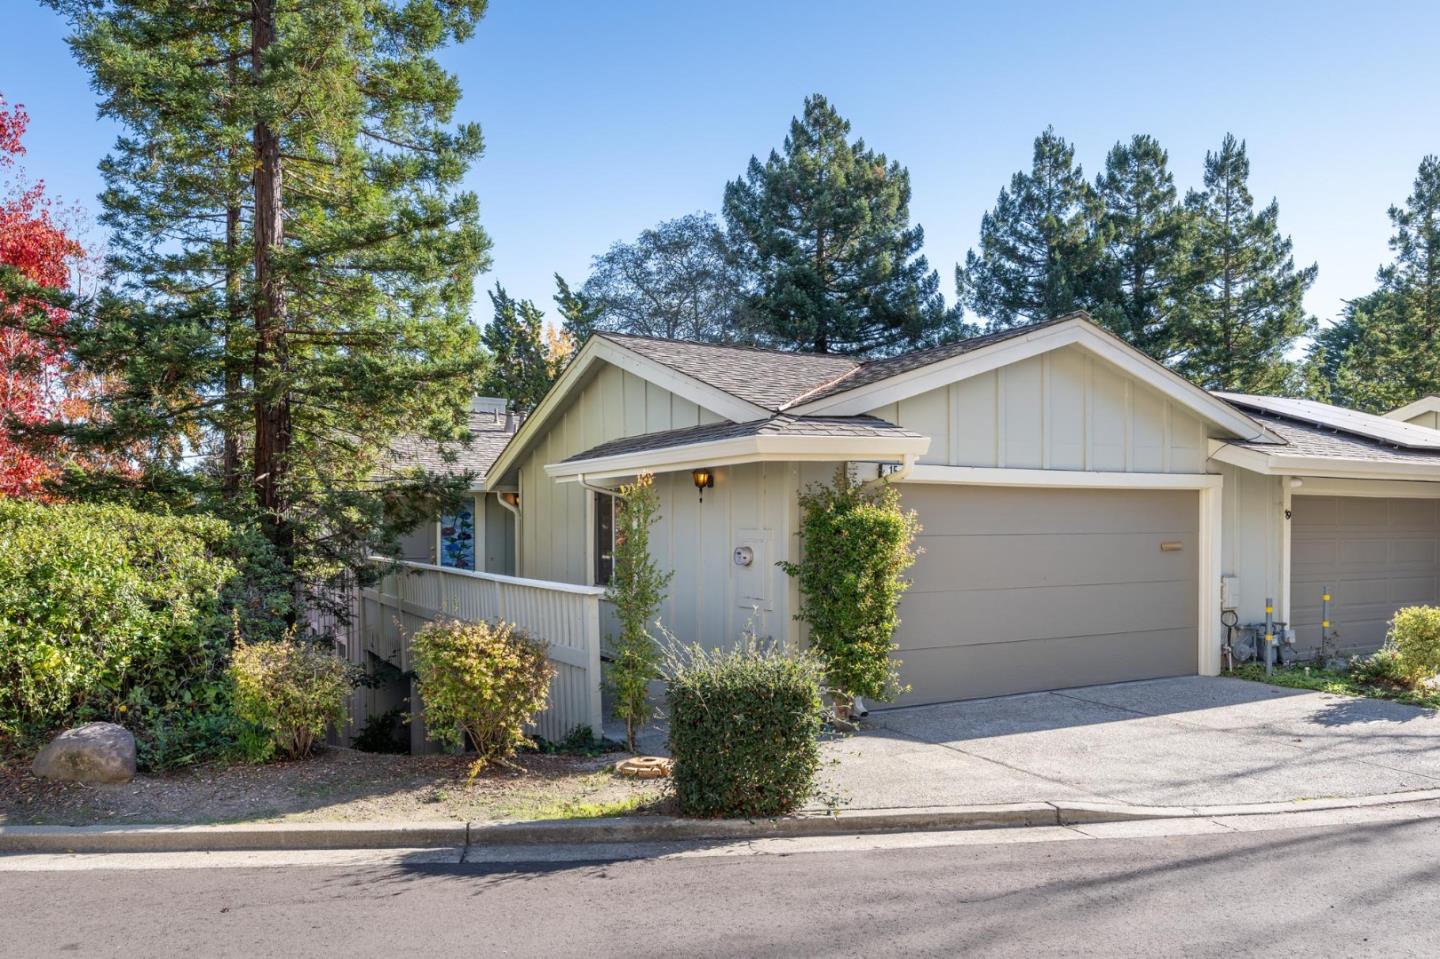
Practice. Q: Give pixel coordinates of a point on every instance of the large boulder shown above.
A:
(93, 753)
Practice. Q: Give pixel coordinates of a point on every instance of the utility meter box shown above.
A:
(1229, 592)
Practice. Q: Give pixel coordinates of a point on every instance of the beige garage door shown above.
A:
(1021, 590)
(1375, 555)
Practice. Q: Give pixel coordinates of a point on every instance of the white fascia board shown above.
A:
(1426, 404)
(1083, 332)
(597, 350)
(1387, 489)
(1058, 479)
(743, 449)
(1333, 467)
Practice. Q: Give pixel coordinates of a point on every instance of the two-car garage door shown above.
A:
(1027, 589)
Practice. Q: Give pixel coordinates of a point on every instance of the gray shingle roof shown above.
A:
(775, 380)
(1307, 439)
(768, 378)
(874, 371)
(839, 426)
(488, 437)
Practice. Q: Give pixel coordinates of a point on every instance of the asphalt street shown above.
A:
(1370, 888)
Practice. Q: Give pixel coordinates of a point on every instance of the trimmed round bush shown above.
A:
(108, 613)
(1415, 638)
(744, 731)
(291, 689)
(481, 682)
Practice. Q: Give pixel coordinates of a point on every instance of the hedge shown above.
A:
(744, 731)
(113, 614)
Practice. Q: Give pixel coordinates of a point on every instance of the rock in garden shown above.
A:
(93, 753)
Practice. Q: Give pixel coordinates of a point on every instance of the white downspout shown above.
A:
(906, 465)
(602, 490)
(515, 510)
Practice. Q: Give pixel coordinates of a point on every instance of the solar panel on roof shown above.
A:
(1394, 432)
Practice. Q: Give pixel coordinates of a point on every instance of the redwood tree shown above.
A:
(35, 249)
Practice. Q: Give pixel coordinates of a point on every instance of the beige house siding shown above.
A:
(750, 505)
(1429, 419)
(1065, 410)
(1251, 540)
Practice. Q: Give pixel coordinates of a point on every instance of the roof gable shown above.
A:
(1426, 404)
(770, 379)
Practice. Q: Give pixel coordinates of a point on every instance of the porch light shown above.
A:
(704, 479)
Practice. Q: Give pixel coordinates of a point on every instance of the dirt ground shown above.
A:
(339, 785)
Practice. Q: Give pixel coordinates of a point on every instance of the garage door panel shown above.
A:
(998, 616)
(1374, 555)
(940, 675)
(1049, 559)
(947, 510)
(1025, 589)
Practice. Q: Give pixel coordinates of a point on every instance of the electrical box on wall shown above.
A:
(1229, 592)
(751, 557)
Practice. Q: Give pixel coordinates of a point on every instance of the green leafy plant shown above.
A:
(292, 689)
(744, 729)
(483, 682)
(1415, 639)
(383, 733)
(1381, 666)
(857, 542)
(109, 613)
(637, 587)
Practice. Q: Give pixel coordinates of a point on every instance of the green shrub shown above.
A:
(107, 613)
(744, 728)
(857, 541)
(1415, 638)
(292, 689)
(636, 588)
(481, 682)
(1381, 666)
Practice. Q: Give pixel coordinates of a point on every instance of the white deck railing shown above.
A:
(565, 616)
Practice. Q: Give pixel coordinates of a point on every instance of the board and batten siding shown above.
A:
(710, 599)
(1064, 410)
(1252, 517)
(1428, 419)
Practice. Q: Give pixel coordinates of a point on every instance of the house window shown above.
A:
(604, 559)
(457, 539)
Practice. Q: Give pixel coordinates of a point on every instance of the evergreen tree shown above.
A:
(579, 317)
(1040, 247)
(293, 260)
(521, 365)
(1383, 352)
(1243, 305)
(825, 229)
(1144, 226)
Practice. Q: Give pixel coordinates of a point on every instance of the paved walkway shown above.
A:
(1172, 742)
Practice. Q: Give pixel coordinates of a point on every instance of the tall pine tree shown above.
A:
(1140, 275)
(579, 317)
(521, 366)
(825, 228)
(1243, 307)
(1384, 351)
(1040, 246)
(293, 260)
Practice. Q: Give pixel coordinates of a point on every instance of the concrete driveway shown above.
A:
(1170, 742)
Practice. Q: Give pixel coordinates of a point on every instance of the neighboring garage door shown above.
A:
(1021, 590)
(1374, 555)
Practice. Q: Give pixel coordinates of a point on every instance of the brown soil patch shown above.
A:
(338, 785)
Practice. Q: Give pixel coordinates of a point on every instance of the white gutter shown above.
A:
(602, 490)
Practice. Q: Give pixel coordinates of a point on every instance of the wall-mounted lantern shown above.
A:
(704, 479)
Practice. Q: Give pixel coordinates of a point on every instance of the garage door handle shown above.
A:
(1171, 547)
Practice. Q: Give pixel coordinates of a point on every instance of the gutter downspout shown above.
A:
(515, 511)
(602, 490)
(906, 465)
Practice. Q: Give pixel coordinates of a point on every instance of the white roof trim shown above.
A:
(1280, 463)
(744, 449)
(1080, 331)
(599, 349)
(1426, 404)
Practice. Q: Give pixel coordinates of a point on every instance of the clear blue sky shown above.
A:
(603, 118)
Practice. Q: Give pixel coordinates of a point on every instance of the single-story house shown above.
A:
(1088, 515)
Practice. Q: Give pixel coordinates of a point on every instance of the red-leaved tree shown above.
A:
(32, 369)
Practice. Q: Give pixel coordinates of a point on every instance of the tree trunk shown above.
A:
(234, 320)
(272, 396)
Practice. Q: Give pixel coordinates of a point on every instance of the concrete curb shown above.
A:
(632, 829)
